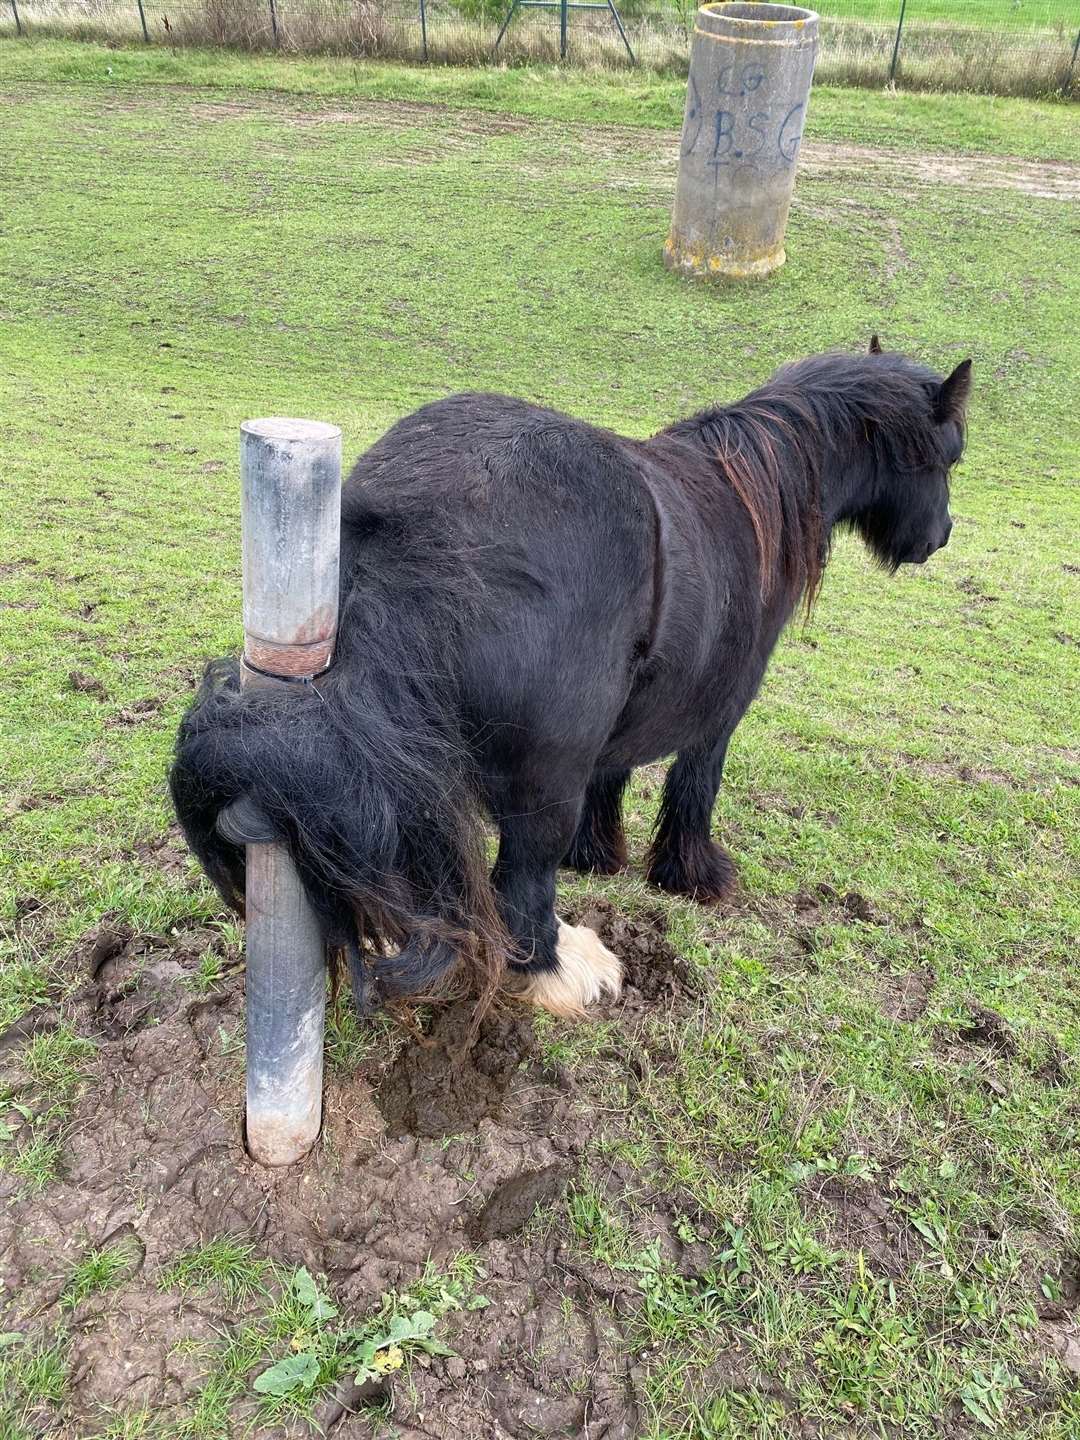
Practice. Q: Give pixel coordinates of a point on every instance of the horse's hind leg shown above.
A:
(684, 859)
(563, 968)
(599, 844)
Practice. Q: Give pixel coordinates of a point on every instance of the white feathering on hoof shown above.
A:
(588, 973)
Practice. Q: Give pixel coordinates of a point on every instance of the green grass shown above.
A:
(98, 1271)
(53, 1064)
(32, 1373)
(1000, 14)
(227, 1265)
(975, 124)
(25, 980)
(914, 743)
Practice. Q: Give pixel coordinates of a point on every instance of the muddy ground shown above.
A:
(428, 1150)
(423, 1154)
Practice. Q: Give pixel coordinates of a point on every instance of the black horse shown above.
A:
(532, 606)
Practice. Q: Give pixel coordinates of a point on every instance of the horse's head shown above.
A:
(905, 515)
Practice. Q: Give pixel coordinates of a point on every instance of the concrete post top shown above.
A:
(754, 20)
(283, 431)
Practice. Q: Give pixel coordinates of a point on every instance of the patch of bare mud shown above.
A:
(855, 1215)
(426, 1151)
(1043, 179)
(654, 974)
(906, 997)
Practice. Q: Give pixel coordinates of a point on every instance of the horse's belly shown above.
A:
(664, 714)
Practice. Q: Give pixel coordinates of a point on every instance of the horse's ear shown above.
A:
(875, 345)
(952, 396)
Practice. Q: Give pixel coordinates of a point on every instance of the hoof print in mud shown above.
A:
(511, 1205)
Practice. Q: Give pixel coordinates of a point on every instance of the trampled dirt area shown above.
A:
(424, 1154)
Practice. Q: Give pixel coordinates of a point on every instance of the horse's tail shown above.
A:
(367, 780)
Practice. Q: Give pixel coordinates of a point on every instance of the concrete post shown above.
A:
(750, 70)
(291, 484)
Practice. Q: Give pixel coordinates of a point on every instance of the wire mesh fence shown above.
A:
(1005, 47)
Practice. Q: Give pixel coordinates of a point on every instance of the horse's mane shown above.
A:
(771, 446)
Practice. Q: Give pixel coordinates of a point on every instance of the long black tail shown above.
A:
(365, 777)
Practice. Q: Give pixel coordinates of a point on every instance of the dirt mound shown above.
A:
(853, 1215)
(906, 997)
(652, 971)
(428, 1148)
(441, 1086)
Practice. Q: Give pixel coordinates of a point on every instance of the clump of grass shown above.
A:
(33, 1374)
(55, 1065)
(130, 1426)
(227, 1265)
(97, 1271)
(36, 1160)
(55, 1061)
(209, 972)
(600, 1233)
(24, 980)
(350, 1040)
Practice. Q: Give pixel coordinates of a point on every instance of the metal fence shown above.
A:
(1005, 47)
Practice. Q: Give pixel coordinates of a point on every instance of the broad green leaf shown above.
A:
(973, 1404)
(309, 1295)
(295, 1372)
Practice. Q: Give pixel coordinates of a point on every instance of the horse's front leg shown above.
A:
(684, 859)
(563, 968)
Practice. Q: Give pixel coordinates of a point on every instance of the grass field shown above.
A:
(819, 1174)
(1016, 15)
(967, 124)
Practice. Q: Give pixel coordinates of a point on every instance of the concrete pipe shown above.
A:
(750, 72)
(291, 496)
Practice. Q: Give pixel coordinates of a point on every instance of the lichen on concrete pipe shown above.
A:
(751, 65)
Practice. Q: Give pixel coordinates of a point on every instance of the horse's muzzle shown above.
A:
(921, 553)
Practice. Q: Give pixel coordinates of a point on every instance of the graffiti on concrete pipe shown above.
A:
(742, 139)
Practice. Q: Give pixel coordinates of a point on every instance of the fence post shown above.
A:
(273, 23)
(1072, 62)
(142, 20)
(896, 44)
(290, 474)
(619, 26)
(423, 27)
(18, 22)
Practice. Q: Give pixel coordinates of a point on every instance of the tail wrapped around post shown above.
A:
(365, 777)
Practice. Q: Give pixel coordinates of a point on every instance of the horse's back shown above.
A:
(549, 518)
(480, 452)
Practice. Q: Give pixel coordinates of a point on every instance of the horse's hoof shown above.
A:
(703, 872)
(587, 974)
